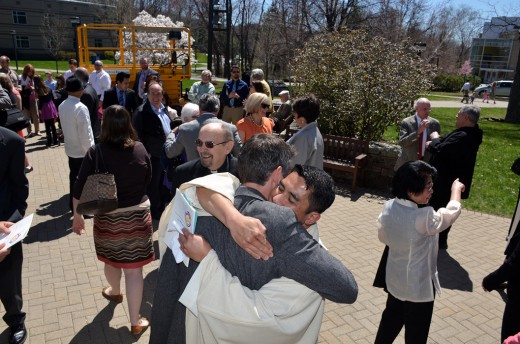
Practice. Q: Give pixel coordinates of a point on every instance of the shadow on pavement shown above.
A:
(49, 230)
(451, 274)
(99, 330)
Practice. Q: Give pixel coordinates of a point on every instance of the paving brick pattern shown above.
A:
(62, 279)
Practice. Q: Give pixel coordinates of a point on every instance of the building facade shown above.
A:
(35, 27)
(494, 54)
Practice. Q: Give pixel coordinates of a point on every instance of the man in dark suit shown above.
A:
(414, 132)
(13, 203)
(120, 94)
(454, 156)
(214, 145)
(183, 139)
(152, 123)
(91, 100)
(140, 78)
(232, 97)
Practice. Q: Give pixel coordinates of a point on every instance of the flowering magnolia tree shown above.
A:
(158, 39)
(466, 69)
(364, 83)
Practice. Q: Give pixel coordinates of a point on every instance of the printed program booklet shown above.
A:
(18, 232)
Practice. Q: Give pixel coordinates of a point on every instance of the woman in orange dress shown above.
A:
(255, 122)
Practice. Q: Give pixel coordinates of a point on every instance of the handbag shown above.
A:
(99, 195)
(13, 119)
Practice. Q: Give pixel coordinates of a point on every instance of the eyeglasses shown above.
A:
(265, 106)
(429, 186)
(235, 71)
(208, 144)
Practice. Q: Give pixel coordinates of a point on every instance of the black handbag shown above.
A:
(13, 119)
(99, 194)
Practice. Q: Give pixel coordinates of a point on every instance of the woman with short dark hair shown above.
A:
(123, 237)
(410, 229)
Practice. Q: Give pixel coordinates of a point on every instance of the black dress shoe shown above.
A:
(18, 334)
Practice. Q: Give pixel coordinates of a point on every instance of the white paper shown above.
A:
(183, 215)
(18, 232)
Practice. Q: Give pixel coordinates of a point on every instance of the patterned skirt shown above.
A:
(124, 239)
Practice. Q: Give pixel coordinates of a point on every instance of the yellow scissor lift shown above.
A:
(130, 42)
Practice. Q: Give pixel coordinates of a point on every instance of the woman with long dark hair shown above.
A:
(30, 108)
(48, 111)
(122, 237)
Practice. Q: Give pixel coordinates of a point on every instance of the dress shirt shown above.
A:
(100, 81)
(12, 75)
(163, 116)
(68, 74)
(121, 94)
(77, 130)
(412, 236)
(198, 89)
(50, 84)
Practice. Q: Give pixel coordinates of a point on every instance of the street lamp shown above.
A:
(13, 33)
(75, 21)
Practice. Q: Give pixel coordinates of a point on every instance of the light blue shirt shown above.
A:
(163, 116)
(118, 92)
(50, 84)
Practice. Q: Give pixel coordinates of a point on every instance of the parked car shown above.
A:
(277, 86)
(503, 88)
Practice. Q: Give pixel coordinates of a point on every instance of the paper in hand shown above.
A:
(18, 232)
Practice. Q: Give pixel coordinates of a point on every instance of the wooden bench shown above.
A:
(343, 154)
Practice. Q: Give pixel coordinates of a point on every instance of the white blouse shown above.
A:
(412, 236)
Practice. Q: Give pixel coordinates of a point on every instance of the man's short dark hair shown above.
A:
(209, 103)
(121, 76)
(82, 74)
(412, 177)
(307, 107)
(321, 187)
(73, 62)
(261, 155)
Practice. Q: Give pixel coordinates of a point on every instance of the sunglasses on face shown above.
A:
(208, 144)
(265, 106)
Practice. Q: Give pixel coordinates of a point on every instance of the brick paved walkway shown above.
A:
(62, 279)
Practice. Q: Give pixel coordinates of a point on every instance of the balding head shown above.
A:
(219, 137)
(82, 74)
(423, 107)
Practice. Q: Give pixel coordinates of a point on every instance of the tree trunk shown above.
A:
(56, 60)
(513, 109)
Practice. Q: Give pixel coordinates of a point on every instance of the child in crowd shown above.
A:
(485, 97)
(48, 110)
(472, 97)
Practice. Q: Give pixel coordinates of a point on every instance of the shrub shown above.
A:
(364, 83)
(66, 55)
(453, 83)
(109, 55)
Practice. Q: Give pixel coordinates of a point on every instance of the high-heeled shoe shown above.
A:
(139, 329)
(114, 298)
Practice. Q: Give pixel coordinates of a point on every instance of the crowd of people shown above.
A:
(257, 266)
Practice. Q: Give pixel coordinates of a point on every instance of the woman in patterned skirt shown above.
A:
(123, 237)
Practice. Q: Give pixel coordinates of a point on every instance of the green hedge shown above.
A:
(453, 83)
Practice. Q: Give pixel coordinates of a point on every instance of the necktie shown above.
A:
(121, 99)
(419, 154)
(233, 89)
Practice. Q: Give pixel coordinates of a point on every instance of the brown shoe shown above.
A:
(139, 329)
(113, 298)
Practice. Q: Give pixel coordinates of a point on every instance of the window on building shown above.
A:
(97, 20)
(22, 42)
(98, 42)
(19, 17)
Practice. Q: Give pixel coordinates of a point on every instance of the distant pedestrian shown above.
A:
(493, 91)
(472, 97)
(465, 91)
(485, 96)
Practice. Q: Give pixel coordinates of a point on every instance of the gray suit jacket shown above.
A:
(296, 255)
(409, 140)
(184, 140)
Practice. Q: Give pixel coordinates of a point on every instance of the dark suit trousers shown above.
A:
(155, 188)
(74, 167)
(414, 316)
(11, 286)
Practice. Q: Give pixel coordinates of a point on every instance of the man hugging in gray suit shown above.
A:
(415, 131)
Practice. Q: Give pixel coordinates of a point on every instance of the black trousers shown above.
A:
(74, 167)
(11, 286)
(414, 316)
(155, 190)
(50, 132)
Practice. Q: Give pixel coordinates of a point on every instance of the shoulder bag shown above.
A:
(99, 195)
(13, 119)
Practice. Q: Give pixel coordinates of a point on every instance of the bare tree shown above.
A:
(53, 29)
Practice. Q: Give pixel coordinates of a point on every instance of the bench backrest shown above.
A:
(339, 148)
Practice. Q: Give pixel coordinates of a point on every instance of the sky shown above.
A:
(487, 8)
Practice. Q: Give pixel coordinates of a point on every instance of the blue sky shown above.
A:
(487, 8)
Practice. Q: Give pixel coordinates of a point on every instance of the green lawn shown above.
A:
(495, 188)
